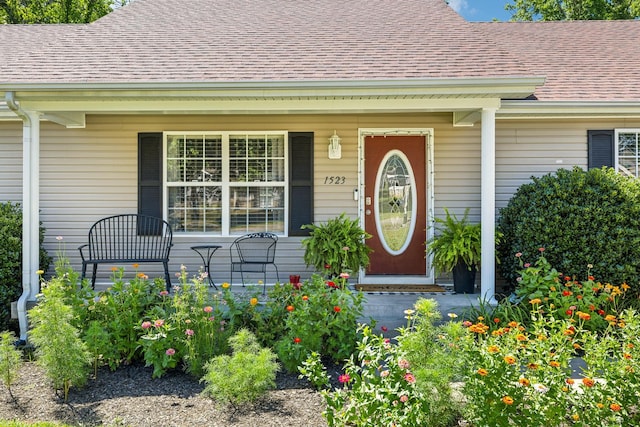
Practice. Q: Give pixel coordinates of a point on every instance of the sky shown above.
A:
(481, 10)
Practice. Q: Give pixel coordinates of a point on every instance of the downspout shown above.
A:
(30, 209)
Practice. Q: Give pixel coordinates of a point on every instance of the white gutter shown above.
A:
(30, 208)
(503, 82)
(533, 109)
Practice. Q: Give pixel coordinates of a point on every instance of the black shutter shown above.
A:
(150, 174)
(601, 146)
(300, 182)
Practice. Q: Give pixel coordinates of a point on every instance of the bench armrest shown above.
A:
(80, 248)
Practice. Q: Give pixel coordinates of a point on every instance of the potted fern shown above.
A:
(337, 246)
(456, 248)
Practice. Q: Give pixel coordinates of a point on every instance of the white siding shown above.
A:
(11, 162)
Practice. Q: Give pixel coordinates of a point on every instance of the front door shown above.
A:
(395, 204)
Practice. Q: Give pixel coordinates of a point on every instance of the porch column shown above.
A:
(488, 205)
(30, 216)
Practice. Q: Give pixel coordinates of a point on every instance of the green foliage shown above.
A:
(245, 375)
(456, 240)
(570, 10)
(56, 11)
(321, 316)
(10, 360)
(11, 258)
(522, 374)
(386, 383)
(580, 218)
(59, 349)
(337, 246)
(119, 310)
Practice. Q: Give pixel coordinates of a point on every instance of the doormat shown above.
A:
(400, 288)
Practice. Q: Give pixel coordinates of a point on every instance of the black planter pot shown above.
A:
(464, 280)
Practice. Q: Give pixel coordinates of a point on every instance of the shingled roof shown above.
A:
(226, 41)
(582, 60)
(259, 40)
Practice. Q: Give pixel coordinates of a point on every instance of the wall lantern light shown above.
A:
(335, 149)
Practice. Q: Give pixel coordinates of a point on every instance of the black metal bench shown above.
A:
(127, 238)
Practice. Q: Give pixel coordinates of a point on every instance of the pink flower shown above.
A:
(344, 378)
(541, 249)
(410, 378)
(404, 398)
(208, 309)
(384, 374)
(164, 293)
(344, 275)
(403, 364)
(212, 318)
(145, 325)
(384, 328)
(158, 323)
(189, 332)
(518, 254)
(170, 352)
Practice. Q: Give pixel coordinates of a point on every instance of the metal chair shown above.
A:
(252, 253)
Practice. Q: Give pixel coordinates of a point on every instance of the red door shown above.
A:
(395, 204)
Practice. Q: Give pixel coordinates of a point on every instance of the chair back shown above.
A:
(254, 248)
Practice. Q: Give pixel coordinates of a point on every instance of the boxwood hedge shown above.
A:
(580, 218)
(11, 258)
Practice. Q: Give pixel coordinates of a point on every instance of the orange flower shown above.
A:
(136, 265)
(521, 337)
(509, 360)
(532, 366)
(524, 382)
(482, 372)
(588, 382)
(615, 407)
(554, 363)
(535, 301)
(513, 324)
(493, 349)
(507, 400)
(584, 316)
(290, 308)
(570, 381)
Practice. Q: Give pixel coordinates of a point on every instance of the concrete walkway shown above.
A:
(387, 308)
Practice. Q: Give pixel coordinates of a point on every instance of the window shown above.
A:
(225, 183)
(628, 151)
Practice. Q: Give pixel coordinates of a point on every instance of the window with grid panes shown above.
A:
(628, 151)
(225, 183)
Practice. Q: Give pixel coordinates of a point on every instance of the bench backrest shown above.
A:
(254, 248)
(130, 237)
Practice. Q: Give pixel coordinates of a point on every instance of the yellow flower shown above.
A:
(225, 285)
(575, 417)
(136, 265)
(40, 272)
(253, 302)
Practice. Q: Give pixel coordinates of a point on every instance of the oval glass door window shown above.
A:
(395, 194)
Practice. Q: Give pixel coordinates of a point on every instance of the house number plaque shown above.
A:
(335, 180)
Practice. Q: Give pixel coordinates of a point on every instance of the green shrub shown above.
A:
(10, 360)
(11, 258)
(580, 218)
(59, 349)
(243, 377)
(320, 316)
